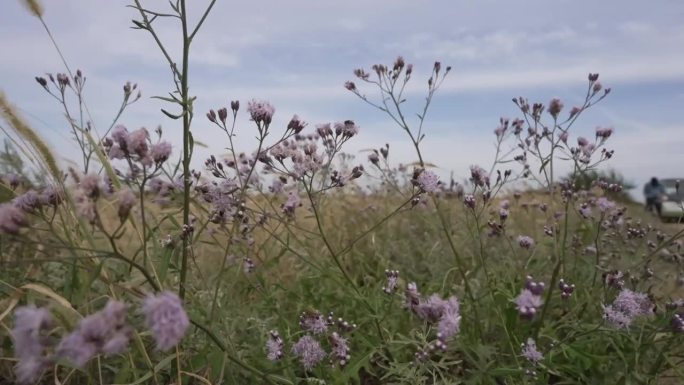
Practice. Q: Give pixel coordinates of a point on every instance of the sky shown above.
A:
(297, 54)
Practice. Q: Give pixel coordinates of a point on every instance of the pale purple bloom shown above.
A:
(11, 218)
(479, 176)
(428, 181)
(604, 204)
(528, 303)
(530, 352)
(469, 200)
(445, 313)
(260, 111)
(137, 142)
(51, 195)
(29, 346)
(29, 201)
(309, 352)
(392, 281)
(166, 318)
(604, 132)
(91, 185)
(293, 201)
(340, 349)
(160, 152)
(104, 332)
(313, 322)
(127, 200)
(627, 306)
(525, 242)
(274, 346)
(555, 107)
(450, 322)
(347, 128)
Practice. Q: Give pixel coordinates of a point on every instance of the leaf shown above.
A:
(170, 115)
(46, 291)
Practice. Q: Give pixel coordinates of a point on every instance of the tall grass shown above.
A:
(292, 263)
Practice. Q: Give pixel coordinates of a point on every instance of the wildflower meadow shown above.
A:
(294, 262)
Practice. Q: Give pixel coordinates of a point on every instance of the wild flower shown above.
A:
(678, 323)
(626, 307)
(479, 176)
(435, 310)
(127, 199)
(604, 204)
(29, 343)
(260, 111)
(530, 299)
(105, 332)
(528, 303)
(392, 281)
(274, 346)
(340, 349)
(555, 107)
(293, 201)
(29, 201)
(308, 351)
(428, 181)
(469, 201)
(526, 242)
(313, 322)
(166, 319)
(566, 289)
(11, 218)
(91, 185)
(530, 352)
(160, 152)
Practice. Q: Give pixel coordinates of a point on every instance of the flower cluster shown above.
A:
(105, 332)
(530, 351)
(166, 318)
(308, 350)
(29, 342)
(446, 313)
(529, 300)
(627, 306)
(136, 147)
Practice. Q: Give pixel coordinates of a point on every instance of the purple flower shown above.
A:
(166, 318)
(428, 181)
(392, 281)
(261, 111)
(469, 200)
(29, 345)
(604, 132)
(530, 352)
(347, 128)
(293, 201)
(340, 349)
(604, 204)
(11, 218)
(479, 176)
(104, 332)
(127, 200)
(309, 352)
(627, 306)
(136, 142)
(555, 107)
(313, 322)
(445, 313)
(91, 185)
(525, 242)
(274, 346)
(450, 323)
(29, 201)
(160, 152)
(528, 303)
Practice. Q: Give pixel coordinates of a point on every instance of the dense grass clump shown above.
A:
(293, 263)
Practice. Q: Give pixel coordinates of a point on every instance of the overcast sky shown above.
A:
(298, 53)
